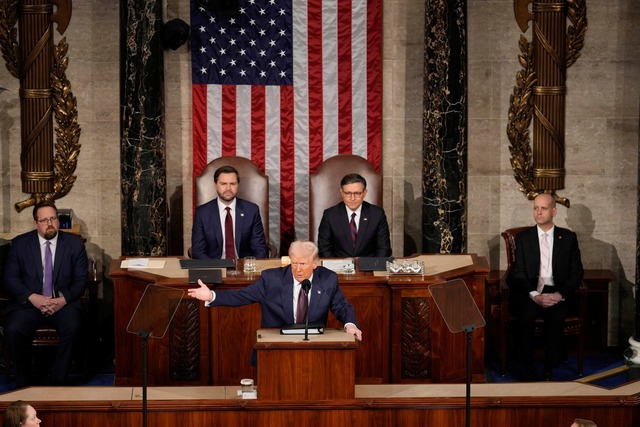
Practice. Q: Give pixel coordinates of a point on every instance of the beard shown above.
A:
(50, 233)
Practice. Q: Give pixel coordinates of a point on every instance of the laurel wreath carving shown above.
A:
(520, 114)
(67, 148)
(9, 35)
(577, 14)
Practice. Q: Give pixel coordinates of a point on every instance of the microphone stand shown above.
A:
(306, 315)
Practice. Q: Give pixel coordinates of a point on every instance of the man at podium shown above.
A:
(280, 293)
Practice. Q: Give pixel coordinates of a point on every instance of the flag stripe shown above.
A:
(374, 87)
(344, 77)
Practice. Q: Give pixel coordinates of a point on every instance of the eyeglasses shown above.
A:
(50, 220)
(355, 194)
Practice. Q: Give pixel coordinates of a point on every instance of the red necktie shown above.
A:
(229, 245)
(354, 229)
(301, 310)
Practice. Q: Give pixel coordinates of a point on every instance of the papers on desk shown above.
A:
(142, 263)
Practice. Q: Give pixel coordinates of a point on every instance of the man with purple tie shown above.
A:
(46, 273)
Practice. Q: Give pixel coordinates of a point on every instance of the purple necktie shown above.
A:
(229, 246)
(48, 271)
(301, 310)
(354, 229)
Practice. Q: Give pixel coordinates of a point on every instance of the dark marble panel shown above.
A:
(445, 127)
(142, 147)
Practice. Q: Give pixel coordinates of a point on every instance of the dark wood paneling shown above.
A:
(405, 338)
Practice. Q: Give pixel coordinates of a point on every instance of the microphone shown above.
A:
(306, 285)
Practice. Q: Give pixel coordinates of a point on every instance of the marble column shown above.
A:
(143, 178)
(444, 171)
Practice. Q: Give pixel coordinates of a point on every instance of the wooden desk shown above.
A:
(322, 368)
(405, 339)
(514, 405)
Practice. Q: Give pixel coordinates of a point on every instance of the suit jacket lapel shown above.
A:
(34, 248)
(363, 224)
(215, 224)
(287, 294)
(240, 222)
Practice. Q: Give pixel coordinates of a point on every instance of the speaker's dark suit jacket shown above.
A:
(274, 291)
(23, 276)
(334, 233)
(523, 278)
(207, 238)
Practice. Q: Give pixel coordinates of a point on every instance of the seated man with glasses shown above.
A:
(353, 227)
(46, 273)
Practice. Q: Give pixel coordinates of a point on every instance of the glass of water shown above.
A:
(250, 265)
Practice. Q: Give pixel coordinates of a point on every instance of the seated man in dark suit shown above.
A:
(542, 281)
(278, 290)
(353, 227)
(46, 273)
(227, 227)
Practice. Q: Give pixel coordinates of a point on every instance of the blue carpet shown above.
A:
(568, 371)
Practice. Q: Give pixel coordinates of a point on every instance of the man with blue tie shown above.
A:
(227, 226)
(353, 227)
(46, 273)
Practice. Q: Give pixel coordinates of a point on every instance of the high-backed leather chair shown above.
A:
(574, 323)
(254, 187)
(324, 186)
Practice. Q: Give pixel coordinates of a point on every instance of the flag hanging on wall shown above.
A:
(288, 84)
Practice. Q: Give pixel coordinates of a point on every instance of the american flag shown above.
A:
(288, 84)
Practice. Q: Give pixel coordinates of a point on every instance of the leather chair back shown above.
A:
(324, 186)
(509, 237)
(254, 185)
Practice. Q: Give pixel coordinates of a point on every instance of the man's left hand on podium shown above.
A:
(350, 328)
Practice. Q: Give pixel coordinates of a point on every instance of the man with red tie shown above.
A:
(227, 226)
(353, 227)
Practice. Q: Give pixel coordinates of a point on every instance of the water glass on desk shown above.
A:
(249, 266)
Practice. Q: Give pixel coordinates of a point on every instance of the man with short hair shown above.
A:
(227, 226)
(543, 279)
(46, 273)
(353, 227)
(278, 291)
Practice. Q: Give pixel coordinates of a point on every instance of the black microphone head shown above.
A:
(306, 285)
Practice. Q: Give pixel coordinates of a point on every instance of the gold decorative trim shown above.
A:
(577, 14)
(520, 114)
(68, 131)
(9, 35)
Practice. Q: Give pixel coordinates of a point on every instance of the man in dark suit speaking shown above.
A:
(46, 273)
(543, 279)
(227, 227)
(278, 290)
(353, 227)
